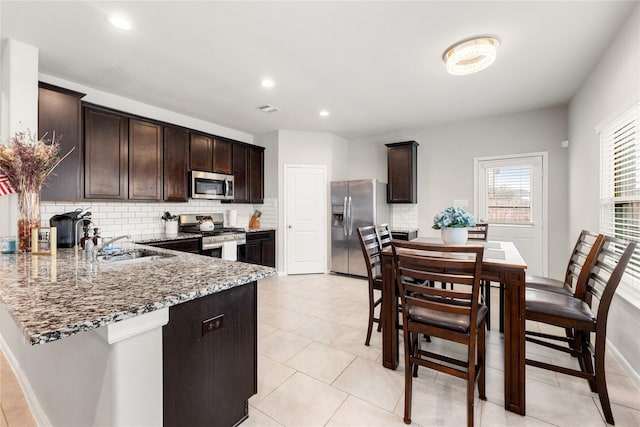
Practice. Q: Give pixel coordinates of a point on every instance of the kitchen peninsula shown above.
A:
(171, 340)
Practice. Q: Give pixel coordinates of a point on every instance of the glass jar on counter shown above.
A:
(7, 244)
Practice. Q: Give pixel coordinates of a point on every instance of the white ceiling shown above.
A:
(376, 66)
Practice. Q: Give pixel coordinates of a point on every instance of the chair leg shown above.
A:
(501, 307)
(482, 351)
(601, 381)
(371, 310)
(584, 359)
(415, 345)
(487, 301)
(471, 384)
(408, 378)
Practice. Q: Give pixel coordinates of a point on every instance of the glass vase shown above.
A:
(28, 217)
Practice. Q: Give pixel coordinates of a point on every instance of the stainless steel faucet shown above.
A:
(100, 249)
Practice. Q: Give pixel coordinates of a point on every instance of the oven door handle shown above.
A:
(211, 246)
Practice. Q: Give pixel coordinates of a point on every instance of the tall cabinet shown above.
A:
(402, 172)
(59, 113)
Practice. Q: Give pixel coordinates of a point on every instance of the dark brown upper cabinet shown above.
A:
(176, 164)
(201, 152)
(145, 160)
(256, 174)
(59, 113)
(402, 168)
(241, 173)
(106, 154)
(222, 156)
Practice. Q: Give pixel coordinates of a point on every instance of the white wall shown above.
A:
(308, 148)
(612, 87)
(445, 166)
(19, 110)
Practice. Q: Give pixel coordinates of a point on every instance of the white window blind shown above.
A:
(620, 190)
(509, 194)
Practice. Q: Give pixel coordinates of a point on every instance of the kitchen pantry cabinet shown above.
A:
(248, 172)
(261, 248)
(59, 112)
(176, 164)
(402, 171)
(106, 154)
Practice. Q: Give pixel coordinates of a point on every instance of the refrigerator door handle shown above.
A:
(350, 218)
(345, 217)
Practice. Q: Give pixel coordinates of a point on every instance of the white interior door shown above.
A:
(305, 201)
(511, 198)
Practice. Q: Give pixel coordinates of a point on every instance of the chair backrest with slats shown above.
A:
(606, 273)
(581, 261)
(479, 232)
(384, 236)
(370, 250)
(417, 264)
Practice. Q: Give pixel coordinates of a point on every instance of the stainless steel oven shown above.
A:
(215, 186)
(215, 242)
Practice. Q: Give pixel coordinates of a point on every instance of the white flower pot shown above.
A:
(454, 235)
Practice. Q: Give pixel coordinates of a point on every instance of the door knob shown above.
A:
(291, 226)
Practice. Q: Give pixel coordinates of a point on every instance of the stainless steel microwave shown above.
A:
(214, 186)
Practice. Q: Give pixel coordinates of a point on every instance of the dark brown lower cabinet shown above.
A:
(182, 245)
(210, 355)
(261, 248)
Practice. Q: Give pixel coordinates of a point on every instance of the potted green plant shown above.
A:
(452, 223)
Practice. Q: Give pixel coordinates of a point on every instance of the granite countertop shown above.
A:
(52, 297)
(256, 230)
(163, 237)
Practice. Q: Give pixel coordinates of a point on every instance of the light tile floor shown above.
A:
(314, 370)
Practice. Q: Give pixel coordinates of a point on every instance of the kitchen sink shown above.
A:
(135, 255)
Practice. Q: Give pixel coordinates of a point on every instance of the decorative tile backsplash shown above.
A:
(135, 219)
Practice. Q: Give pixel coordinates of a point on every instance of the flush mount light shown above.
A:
(324, 113)
(470, 56)
(120, 22)
(267, 83)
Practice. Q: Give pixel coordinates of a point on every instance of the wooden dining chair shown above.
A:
(585, 245)
(449, 314)
(584, 313)
(370, 246)
(480, 233)
(384, 236)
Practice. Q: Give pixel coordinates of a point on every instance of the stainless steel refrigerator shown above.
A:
(354, 204)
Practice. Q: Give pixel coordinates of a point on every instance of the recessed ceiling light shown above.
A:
(471, 55)
(267, 83)
(324, 113)
(120, 22)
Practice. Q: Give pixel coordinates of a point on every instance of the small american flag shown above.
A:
(5, 186)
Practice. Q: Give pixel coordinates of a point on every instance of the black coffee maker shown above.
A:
(66, 226)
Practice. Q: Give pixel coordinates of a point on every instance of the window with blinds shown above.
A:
(620, 190)
(509, 194)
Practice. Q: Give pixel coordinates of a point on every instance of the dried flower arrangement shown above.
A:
(28, 162)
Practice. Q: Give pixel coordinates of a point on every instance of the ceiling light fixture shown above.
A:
(267, 83)
(120, 22)
(324, 113)
(471, 55)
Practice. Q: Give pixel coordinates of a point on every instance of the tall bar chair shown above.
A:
(370, 245)
(480, 233)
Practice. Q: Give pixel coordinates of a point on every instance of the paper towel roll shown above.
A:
(233, 218)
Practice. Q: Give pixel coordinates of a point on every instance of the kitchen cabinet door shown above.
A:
(145, 160)
(222, 156)
(105, 154)
(241, 173)
(256, 175)
(201, 152)
(176, 164)
(402, 172)
(261, 248)
(183, 245)
(59, 113)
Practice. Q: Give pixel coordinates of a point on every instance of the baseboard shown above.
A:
(39, 416)
(628, 369)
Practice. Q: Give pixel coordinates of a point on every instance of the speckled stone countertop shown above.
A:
(256, 230)
(162, 237)
(54, 297)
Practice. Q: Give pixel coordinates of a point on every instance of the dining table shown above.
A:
(501, 263)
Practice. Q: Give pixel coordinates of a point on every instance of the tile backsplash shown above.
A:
(404, 216)
(136, 219)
